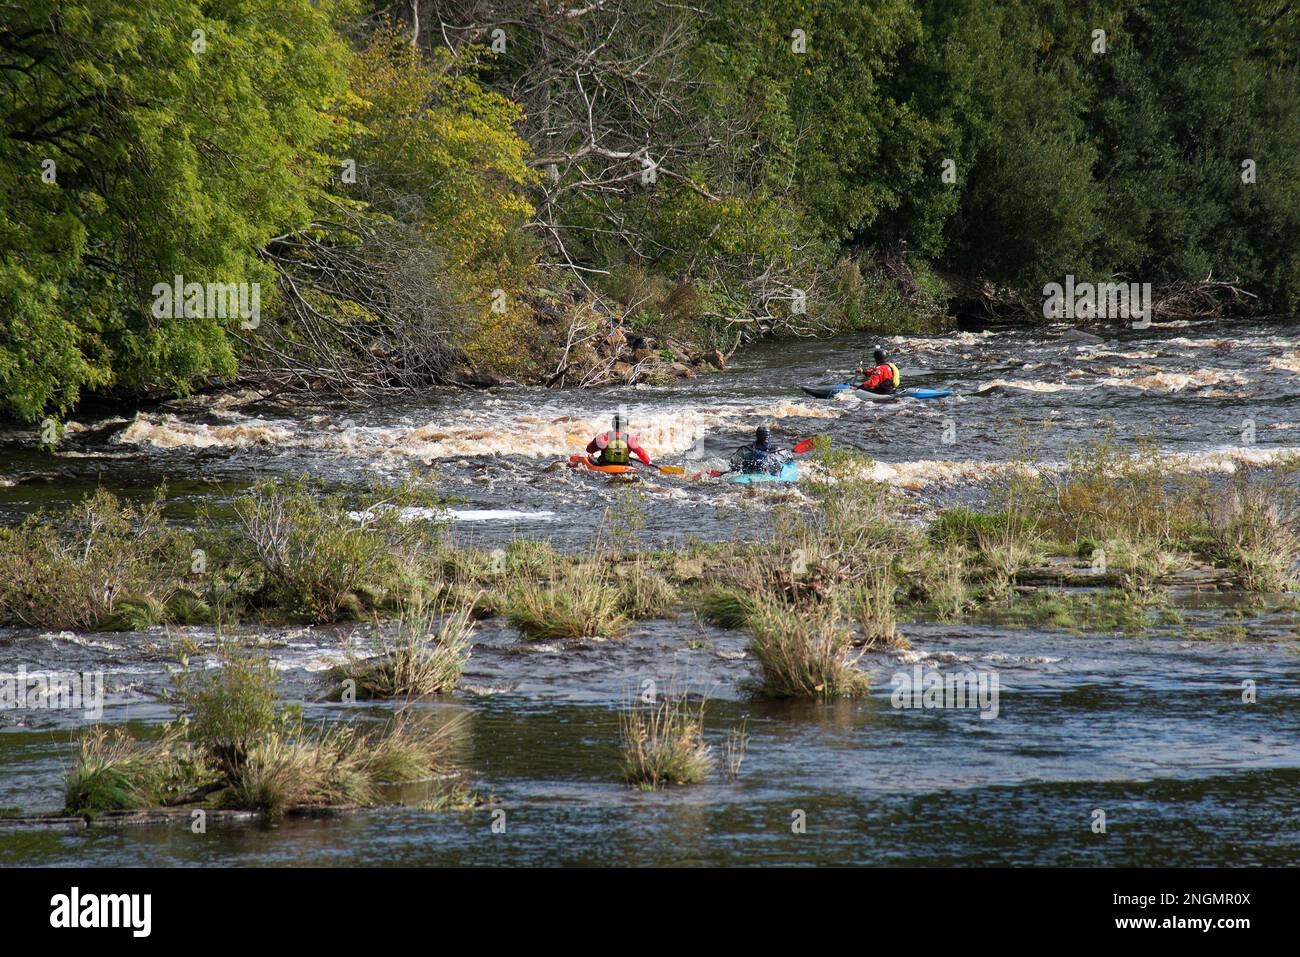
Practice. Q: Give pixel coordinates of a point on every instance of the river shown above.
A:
(1152, 730)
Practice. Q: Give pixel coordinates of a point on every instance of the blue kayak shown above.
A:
(903, 394)
(789, 473)
(830, 391)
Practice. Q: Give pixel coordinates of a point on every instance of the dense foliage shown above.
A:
(414, 195)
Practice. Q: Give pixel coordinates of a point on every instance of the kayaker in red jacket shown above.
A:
(613, 447)
(882, 379)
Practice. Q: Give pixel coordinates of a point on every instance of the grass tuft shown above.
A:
(663, 742)
(426, 655)
(572, 601)
(804, 653)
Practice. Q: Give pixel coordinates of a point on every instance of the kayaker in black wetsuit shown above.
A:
(883, 379)
(760, 457)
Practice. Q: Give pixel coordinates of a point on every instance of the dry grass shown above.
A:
(645, 593)
(1006, 551)
(339, 766)
(733, 751)
(870, 602)
(1256, 528)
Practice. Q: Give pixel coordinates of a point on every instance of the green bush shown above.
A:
(79, 568)
(229, 708)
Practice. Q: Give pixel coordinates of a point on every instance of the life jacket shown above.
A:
(884, 385)
(615, 450)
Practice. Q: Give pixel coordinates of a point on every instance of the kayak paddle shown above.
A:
(665, 469)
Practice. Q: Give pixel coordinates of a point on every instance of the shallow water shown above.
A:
(1151, 730)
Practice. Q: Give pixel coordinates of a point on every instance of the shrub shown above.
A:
(231, 708)
(1106, 493)
(74, 570)
(317, 554)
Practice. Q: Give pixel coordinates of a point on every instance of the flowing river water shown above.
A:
(1150, 729)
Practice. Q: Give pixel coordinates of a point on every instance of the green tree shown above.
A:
(176, 138)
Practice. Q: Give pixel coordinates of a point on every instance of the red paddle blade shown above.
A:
(804, 446)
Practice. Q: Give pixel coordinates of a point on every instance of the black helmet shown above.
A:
(879, 354)
(618, 422)
(761, 434)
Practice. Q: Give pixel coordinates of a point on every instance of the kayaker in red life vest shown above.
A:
(615, 445)
(883, 379)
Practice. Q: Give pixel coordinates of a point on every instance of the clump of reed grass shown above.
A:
(571, 601)
(115, 772)
(870, 602)
(805, 652)
(1006, 550)
(939, 576)
(726, 606)
(663, 742)
(343, 765)
(426, 654)
(1255, 527)
(645, 593)
(528, 556)
(1140, 565)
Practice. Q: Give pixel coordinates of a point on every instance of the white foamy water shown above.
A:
(495, 429)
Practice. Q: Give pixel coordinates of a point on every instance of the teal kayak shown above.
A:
(789, 473)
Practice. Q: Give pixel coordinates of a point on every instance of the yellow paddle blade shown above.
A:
(672, 470)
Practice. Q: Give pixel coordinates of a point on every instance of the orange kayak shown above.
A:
(577, 461)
